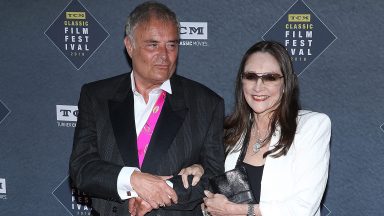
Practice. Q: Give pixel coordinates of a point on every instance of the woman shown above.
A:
(287, 150)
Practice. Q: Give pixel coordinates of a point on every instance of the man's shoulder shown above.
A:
(195, 88)
(107, 83)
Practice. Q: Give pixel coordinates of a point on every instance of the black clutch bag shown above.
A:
(234, 185)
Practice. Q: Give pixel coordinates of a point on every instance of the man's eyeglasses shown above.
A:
(267, 79)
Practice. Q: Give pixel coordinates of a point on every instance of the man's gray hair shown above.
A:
(144, 12)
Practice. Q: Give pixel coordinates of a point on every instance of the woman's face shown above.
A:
(263, 83)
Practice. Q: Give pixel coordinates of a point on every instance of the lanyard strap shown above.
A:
(146, 132)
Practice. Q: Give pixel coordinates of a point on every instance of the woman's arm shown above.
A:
(310, 170)
(218, 204)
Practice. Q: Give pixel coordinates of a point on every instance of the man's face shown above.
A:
(153, 52)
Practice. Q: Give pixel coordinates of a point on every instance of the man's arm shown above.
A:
(88, 171)
(98, 177)
(212, 155)
(211, 158)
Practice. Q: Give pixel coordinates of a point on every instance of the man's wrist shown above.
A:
(124, 183)
(134, 172)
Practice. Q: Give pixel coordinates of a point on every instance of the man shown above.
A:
(136, 128)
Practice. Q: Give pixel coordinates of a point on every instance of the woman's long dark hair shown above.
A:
(285, 114)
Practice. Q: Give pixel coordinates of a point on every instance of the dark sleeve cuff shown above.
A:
(190, 197)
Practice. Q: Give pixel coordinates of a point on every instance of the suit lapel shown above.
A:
(171, 118)
(122, 115)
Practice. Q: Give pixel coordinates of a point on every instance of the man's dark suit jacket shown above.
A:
(189, 130)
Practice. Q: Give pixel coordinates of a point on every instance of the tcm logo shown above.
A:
(194, 30)
(66, 113)
(3, 189)
(75, 15)
(299, 17)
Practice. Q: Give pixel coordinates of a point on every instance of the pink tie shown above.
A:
(146, 133)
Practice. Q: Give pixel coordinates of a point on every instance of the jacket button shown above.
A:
(114, 209)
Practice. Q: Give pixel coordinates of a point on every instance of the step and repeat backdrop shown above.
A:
(49, 49)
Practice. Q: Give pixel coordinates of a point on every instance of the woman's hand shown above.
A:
(218, 205)
(196, 170)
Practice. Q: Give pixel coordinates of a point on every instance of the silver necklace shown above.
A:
(259, 143)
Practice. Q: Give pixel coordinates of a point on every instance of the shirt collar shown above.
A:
(166, 86)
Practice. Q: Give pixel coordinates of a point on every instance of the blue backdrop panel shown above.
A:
(48, 52)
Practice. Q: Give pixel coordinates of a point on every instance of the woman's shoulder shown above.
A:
(308, 115)
(312, 119)
(313, 130)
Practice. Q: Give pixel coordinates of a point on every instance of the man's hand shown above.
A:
(138, 207)
(153, 189)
